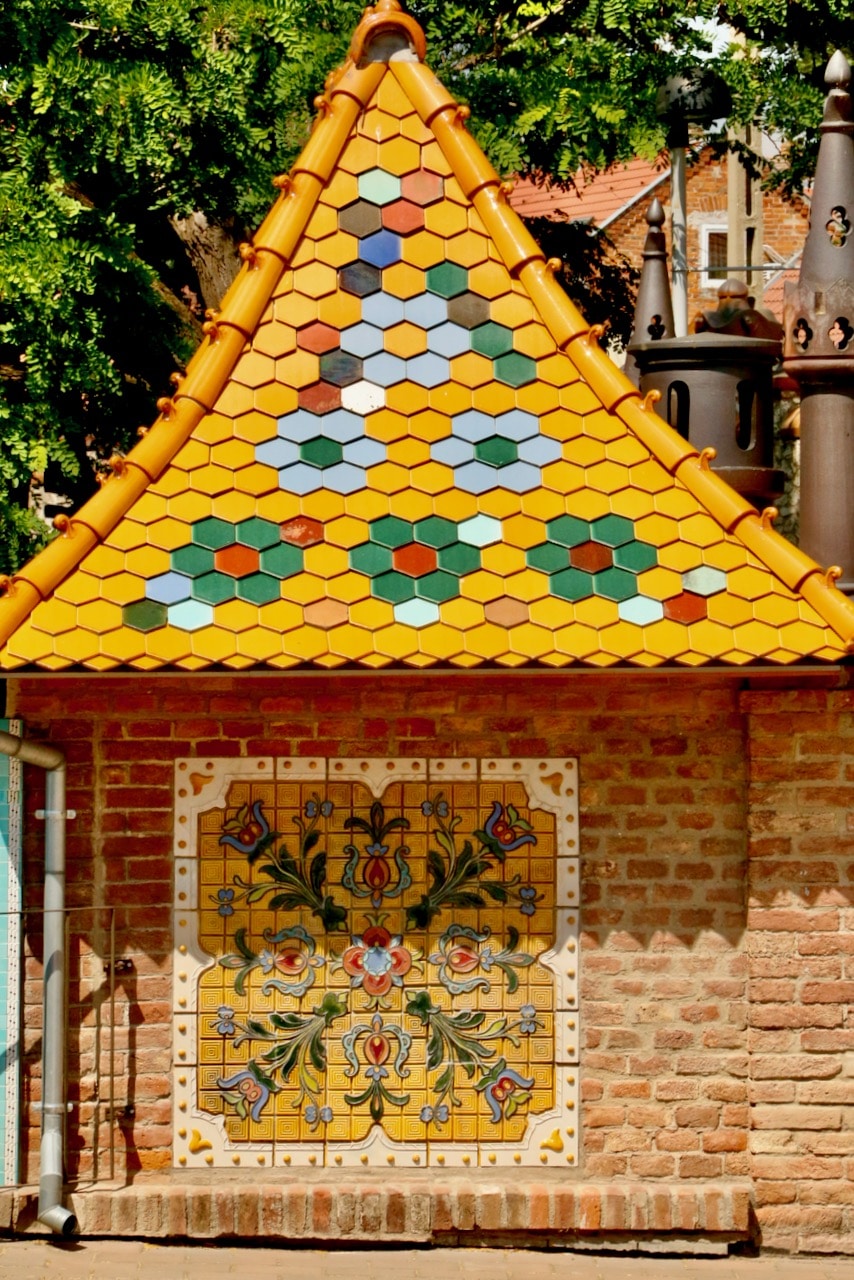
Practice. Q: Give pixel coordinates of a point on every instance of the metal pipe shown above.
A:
(679, 237)
(51, 1210)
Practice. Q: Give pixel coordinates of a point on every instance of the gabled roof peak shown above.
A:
(400, 443)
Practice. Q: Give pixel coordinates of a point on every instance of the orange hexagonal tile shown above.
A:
(490, 280)
(190, 506)
(757, 638)
(326, 613)
(538, 398)
(295, 309)
(232, 454)
(397, 641)
(730, 610)
(235, 399)
(406, 397)
(341, 189)
(366, 504)
(512, 310)
(336, 251)
(432, 477)
(410, 505)
(275, 399)
(318, 338)
(584, 452)
(213, 428)
(432, 158)
(701, 530)
(608, 477)
(563, 477)
(747, 582)
(298, 370)
(775, 609)
(450, 398)
(533, 340)
(659, 583)
(531, 641)
(277, 506)
(429, 425)
(371, 613)
(387, 478)
(315, 280)
(405, 340)
(440, 641)
(462, 614)
(323, 505)
(254, 369)
(422, 249)
(401, 156)
(256, 479)
(349, 587)
(469, 248)
(408, 452)
(360, 154)
(501, 559)
(543, 504)
(211, 480)
(233, 506)
(353, 643)
(345, 531)
(379, 124)
(274, 339)
(587, 504)
(403, 280)
(471, 370)
(323, 222)
(487, 641)
(303, 254)
(676, 502)
(494, 398)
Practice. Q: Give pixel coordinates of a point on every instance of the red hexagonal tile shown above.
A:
(414, 559)
(318, 337)
(686, 607)
(301, 531)
(591, 556)
(237, 560)
(422, 187)
(320, 397)
(403, 217)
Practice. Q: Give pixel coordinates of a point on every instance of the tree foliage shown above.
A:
(139, 138)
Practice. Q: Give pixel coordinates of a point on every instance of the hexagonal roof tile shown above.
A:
(400, 442)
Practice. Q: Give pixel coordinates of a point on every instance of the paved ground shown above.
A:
(133, 1260)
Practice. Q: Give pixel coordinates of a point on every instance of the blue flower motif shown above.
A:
(376, 850)
(439, 1114)
(529, 897)
(266, 959)
(528, 1016)
(225, 1020)
(245, 1089)
(504, 827)
(440, 808)
(315, 1115)
(376, 1073)
(225, 897)
(322, 807)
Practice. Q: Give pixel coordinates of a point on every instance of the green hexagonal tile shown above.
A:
(213, 588)
(144, 615)
(321, 452)
(370, 558)
(496, 451)
(282, 561)
(193, 560)
(571, 584)
(437, 586)
(391, 532)
(213, 533)
(394, 587)
(435, 532)
(612, 530)
(568, 531)
(615, 584)
(447, 279)
(636, 556)
(515, 369)
(492, 339)
(259, 588)
(548, 557)
(459, 558)
(258, 533)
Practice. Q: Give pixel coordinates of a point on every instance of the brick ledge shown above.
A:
(450, 1210)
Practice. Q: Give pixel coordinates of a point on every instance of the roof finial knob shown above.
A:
(838, 71)
(655, 214)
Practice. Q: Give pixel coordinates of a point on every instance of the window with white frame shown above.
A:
(713, 255)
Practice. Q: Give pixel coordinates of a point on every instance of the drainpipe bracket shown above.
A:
(54, 1108)
(56, 813)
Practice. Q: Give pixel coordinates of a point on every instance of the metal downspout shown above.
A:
(51, 1211)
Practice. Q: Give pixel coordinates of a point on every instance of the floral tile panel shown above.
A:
(376, 961)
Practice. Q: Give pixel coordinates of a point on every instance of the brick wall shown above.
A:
(784, 227)
(669, 1022)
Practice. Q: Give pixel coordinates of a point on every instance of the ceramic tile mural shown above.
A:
(10, 942)
(376, 961)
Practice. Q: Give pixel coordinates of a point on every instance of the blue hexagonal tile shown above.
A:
(385, 369)
(168, 588)
(342, 426)
(364, 452)
(451, 451)
(298, 426)
(382, 310)
(300, 478)
(473, 425)
(426, 310)
(477, 477)
(641, 610)
(278, 453)
(361, 340)
(428, 370)
(190, 615)
(416, 613)
(449, 340)
(379, 187)
(704, 581)
(343, 478)
(480, 531)
(520, 477)
(540, 451)
(380, 250)
(517, 425)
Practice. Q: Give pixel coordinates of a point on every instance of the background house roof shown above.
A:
(401, 443)
(597, 199)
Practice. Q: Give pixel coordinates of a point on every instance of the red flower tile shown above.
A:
(320, 397)
(414, 559)
(591, 556)
(403, 217)
(302, 531)
(237, 560)
(318, 338)
(686, 607)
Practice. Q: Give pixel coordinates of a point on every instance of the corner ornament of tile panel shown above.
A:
(376, 962)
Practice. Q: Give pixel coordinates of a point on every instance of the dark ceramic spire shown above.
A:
(654, 306)
(829, 250)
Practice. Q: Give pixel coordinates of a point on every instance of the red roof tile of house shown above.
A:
(596, 200)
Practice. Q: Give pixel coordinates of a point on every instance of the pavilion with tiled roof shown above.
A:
(405, 552)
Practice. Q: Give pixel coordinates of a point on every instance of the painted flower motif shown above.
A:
(437, 1115)
(291, 960)
(505, 1091)
(505, 828)
(224, 1024)
(527, 1019)
(315, 1115)
(246, 1092)
(529, 899)
(377, 961)
(437, 807)
(224, 897)
(317, 806)
(248, 830)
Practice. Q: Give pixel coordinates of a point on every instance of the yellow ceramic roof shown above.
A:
(400, 443)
